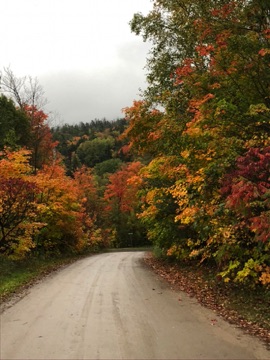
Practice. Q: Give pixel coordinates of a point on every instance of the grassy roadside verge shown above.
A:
(15, 276)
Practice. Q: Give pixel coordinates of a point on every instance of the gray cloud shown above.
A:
(85, 96)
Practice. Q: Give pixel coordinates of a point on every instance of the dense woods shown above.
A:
(187, 169)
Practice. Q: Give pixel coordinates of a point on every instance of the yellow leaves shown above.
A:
(265, 276)
(135, 180)
(187, 216)
(195, 253)
(193, 129)
(205, 155)
(25, 242)
(164, 167)
(257, 141)
(172, 250)
(210, 209)
(250, 269)
(175, 251)
(223, 234)
(15, 163)
(196, 180)
(258, 109)
(44, 207)
(152, 199)
(197, 106)
(185, 154)
(179, 192)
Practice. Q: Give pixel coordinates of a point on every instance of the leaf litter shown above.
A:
(226, 302)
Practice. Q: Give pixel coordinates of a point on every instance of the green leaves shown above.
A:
(209, 73)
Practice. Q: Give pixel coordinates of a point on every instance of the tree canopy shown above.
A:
(187, 169)
(204, 120)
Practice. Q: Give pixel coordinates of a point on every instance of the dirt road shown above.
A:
(110, 306)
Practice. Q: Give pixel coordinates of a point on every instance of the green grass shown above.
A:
(15, 275)
(252, 305)
(138, 248)
(250, 302)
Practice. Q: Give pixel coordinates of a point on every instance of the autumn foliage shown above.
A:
(43, 211)
(205, 191)
(191, 169)
(47, 209)
(121, 204)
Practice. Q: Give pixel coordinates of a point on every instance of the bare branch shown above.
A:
(22, 90)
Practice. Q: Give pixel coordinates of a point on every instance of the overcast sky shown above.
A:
(82, 52)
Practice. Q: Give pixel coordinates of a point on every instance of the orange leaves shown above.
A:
(264, 52)
(41, 142)
(153, 136)
(222, 39)
(151, 200)
(18, 207)
(46, 209)
(62, 200)
(197, 106)
(203, 29)
(85, 184)
(143, 129)
(265, 276)
(266, 33)
(216, 105)
(185, 154)
(184, 71)
(123, 186)
(204, 50)
(15, 163)
(225, 11)
(187, 215)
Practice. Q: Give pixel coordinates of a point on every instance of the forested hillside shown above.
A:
(67, 189)
(188, 169)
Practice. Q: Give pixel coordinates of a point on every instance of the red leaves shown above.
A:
(266, 33)
(46, 209)
(17, 197)
(204, 50)
(123, 187)
(17, 215)
(263, 52)
(260, 225)
(225, 11)
(247, 190)
(41, 137)
(253, 169)
(183, 71)
(222, 38)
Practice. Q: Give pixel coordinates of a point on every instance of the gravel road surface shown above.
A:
(110, 306)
